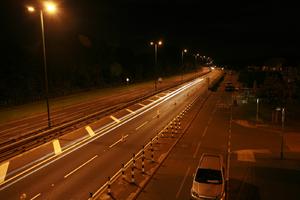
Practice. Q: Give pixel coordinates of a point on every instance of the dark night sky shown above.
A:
(229, 31)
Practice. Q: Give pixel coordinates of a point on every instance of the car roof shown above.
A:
(211, 161)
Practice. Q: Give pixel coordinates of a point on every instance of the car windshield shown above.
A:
(208, 176)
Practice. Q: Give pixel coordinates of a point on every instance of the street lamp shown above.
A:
(282, 131)
(196, 56)
(183, 51)
(50, 8)
(156, 45)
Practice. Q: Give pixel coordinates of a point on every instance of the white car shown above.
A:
(209, 182)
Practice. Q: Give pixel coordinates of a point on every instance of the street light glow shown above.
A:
(185, 50)
(30, 8)
(151, 43)
(159, 42)
(50, 7)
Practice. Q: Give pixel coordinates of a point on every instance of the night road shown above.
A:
(86, 166)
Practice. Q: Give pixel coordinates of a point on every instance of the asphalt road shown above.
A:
(254, 169)
(74, 174)
(22, 126)
(208, 133)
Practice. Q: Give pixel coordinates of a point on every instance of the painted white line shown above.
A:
(150, 100)
(36, 196)
(90, 131)
(140, 126)
(204, 132)
(130, 110)
(182, 183)
(56, 147)
(3, 170)
(197, 149)
(141, 104)
(120, 140)
(115, 119)
(80, 166)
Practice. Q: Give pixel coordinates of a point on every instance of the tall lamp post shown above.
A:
(282, 131)
(257, 109)
(196, 56)
(156, 45)
(183, 51)
(50, 8)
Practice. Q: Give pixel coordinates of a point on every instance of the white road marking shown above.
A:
(182, 183)
(56, 146)
(143, 124)
(3, 170)
(90, 131)
(80, 166)
(120, 140)
(115, 119)
(130, 110)
(204, 132)
(150, 100)
(197, 149)
(141, 104)
(36, 196)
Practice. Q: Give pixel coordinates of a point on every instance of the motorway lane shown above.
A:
(97, 155)
(207, 133)
(63, 114)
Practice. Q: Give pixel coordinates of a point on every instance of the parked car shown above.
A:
(209, 181)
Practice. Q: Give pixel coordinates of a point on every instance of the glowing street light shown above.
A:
(183, 51)
(156, 45)
(50, 8)
(30, 8)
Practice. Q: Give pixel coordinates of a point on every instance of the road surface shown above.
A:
(74, 174)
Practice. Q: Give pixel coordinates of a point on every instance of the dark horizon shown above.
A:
(230, 32)
(97, 44)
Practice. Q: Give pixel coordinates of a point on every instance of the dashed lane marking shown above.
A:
(90, 131)
(36, 196)
(140, 126)
(115, 119)
(3, 170)
(80, 166)
(182, 183)
(120, 140)
(130, 110)
(56, 146)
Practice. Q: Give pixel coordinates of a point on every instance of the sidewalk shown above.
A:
(269, 176)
